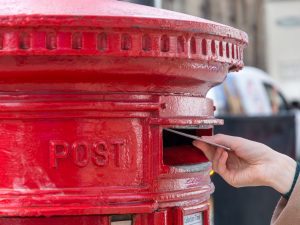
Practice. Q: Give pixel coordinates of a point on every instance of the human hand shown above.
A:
(249, 163)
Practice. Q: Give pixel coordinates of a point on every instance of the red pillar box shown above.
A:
(87, 87)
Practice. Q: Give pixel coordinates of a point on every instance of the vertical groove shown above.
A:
(180, 44)
(221, 53)
(227, 50)
(1, 41)
(77, 41)
(165, 43)
(204, 47)
(193, 45)
(51, 41)
(146, 43)
(126, 42)
(102, 42)
(24, 41)
(213, 47)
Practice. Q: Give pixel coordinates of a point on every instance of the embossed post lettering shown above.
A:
(58, 150)
(81, 154)
(121, 156)
(100, 157)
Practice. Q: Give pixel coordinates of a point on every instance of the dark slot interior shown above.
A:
(117, 218)
(179, 150)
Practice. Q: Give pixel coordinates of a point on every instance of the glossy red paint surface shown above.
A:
(86, 90)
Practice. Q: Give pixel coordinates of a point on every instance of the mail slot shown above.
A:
(87, 89)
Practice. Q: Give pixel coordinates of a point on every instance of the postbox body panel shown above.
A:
(86, 91)
(98, 153)
(68, 150)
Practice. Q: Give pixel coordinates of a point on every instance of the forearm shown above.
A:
(281, 173)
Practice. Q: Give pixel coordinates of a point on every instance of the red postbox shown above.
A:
(87, 87)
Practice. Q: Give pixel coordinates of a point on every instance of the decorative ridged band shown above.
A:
(116, 43)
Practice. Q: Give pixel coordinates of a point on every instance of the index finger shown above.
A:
(207, 149)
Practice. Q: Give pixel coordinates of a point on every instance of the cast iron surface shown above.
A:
(86, 90)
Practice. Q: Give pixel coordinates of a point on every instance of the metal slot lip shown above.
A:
(196, 168)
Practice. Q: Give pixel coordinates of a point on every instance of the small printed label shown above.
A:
(194, 219)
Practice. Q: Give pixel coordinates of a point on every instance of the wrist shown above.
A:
(282, 173)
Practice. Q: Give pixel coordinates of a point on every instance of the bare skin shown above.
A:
(249, 163)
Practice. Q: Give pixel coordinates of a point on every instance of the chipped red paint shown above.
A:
(86, 90)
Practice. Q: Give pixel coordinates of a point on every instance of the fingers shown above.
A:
(208, 150)
(221, 166)
(217, 156)
(216, 159)
(219, 163)
(226, 140)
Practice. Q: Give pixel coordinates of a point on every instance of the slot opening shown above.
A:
(121, 219)
(179, 150)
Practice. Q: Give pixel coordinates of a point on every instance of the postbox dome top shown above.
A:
(115, 37)
(137, 15)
